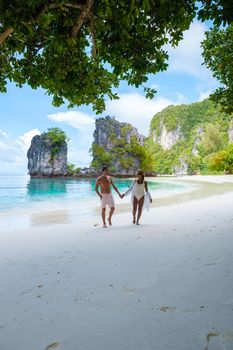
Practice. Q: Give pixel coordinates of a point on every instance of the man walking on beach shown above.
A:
(105, 182)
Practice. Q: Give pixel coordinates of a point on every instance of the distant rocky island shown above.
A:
(117, 145)
(47, 155)
(184, 139)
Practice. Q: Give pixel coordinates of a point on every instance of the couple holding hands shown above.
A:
(139, 195)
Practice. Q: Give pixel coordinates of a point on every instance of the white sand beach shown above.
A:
(164, 285)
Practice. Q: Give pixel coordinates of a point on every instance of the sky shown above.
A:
(25, 113)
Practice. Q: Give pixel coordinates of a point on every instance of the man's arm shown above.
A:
(97, 188)
(115, 188)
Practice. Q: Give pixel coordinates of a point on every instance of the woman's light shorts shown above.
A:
(107, 199)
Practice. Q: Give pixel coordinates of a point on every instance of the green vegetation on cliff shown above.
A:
(72, 169)
(119, 146)
(56, 138)
(187, 117)
(189, 134)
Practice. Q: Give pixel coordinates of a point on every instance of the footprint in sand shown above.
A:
(167, 308)
(210, 264)
(129, 290)
(26, 292)
(53, 346)
(213, 341)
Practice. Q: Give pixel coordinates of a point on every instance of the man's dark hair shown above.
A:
(104, 168)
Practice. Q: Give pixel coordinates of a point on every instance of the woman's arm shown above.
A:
(129, 190)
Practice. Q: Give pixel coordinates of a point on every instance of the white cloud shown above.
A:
(3, 134)
(81, 158)
(14, 150)
(154, 86)
(25, 139)
(138, 110)
(8, 148)
(204, 95)
(187, 56)
(78, 120)
(180, 98)
(78, 150)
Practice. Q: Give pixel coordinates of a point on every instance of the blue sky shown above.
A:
(26, 112)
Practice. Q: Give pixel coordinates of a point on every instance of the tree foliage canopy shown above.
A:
(212, 139)
(79, 50)
(218, 56)
(223, 160)
(56, 136)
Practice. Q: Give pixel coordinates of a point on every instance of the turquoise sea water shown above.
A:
(21, 192)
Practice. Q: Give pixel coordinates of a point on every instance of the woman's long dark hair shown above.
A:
(140, 172)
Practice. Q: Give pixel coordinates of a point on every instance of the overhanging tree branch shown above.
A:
(75, 5)
(94, 50)
(37, 46)
(84, 15)
(5, 34)
(42, 9)
(78, 5)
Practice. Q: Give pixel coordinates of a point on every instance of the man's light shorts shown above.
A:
(107, 199)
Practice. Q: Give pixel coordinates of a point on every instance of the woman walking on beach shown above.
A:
(140, 196)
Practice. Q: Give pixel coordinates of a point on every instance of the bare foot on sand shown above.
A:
(104, 225)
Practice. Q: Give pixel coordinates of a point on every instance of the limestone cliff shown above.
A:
(46, 158)
(108, 129)
(184, 136)
(167, 139)
(118, 145)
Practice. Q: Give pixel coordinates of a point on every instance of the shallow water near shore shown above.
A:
(26, 202)
(35, 201)
(20, 190)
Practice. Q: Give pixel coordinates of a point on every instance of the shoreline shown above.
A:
(124, 176)
(200, 187)
(206, 187)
